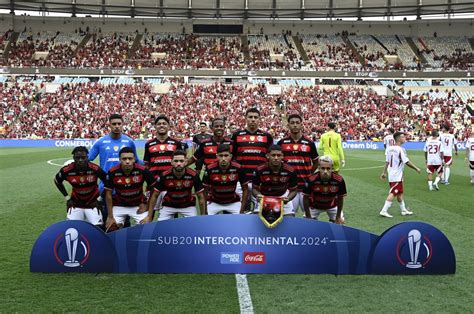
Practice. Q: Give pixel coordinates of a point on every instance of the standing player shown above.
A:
(251, 146)
(395, 163)
(178, 182)
(388, 140)
(206, 152)
(83, 176)
(324, 192)
(470, 154)
(448, 142)
(275, 178)
(434, 160)
(127, 180)
(300, 153)
(197, 140)
(220, 181)
(331, 144)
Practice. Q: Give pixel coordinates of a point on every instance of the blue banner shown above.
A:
(242, 244)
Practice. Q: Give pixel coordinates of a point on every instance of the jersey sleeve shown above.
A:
(146, 155)
(425, 148)
(94, 152)
(243, 179)
(339, 143)
(198, 154)
(342, 188)
(234, 145)
(198, 187)
(149, 179)
(404, 156)
(313, 152)
(270, 140)
(101, 175)
(307, 188)
(60, 176)
(293, 182)
(205, 178)
(160, 184)
(109, 183)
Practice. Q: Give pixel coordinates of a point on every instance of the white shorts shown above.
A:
(159, 201)
(121, 212)
(252, 199)
(332, 213)
(287, 208)
(91, 215)
(167, 213)
(298, 202)
(215, 208)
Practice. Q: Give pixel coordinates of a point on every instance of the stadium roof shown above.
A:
(245, 9)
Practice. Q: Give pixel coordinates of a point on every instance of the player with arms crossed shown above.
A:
(220, 181)
(83, 176)
(470, 154)
(324, 192)
(275, 178)
(434, 160)
(178, 183)
(395, 164)
(331, 144)
(127, 180)
(448, 142)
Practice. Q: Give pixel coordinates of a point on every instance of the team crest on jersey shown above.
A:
(333, 189)
(187, 184)
(224, 178)
(232, 177)
(179, 184)
(82, 179)
(283, 179)
(127, 180)
(260, 138)
(136, 179)
(170, 147)
(295, 147)
(162, 147)
(252, 138)
(304, 148)
(90, 178)
(271, 211)
(116, 148)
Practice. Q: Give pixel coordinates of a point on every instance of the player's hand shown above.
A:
(343, 163)
(383, 176)
(142, 208)
(418, 170)
(339, 221)
(69, 204)
(259, 198)
(285, 200)
(110, 221)
(146, 220)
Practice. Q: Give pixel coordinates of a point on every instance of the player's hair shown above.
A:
(79, 149)
(126, 150)
(391, 130)
(434, 133)
(223, 148)
(396, 135)
(327, 159)
(162, 117)
(332, 125)
(254, 110)
(445, 127)
(115, 116)
(179, 152)
(294, 116)
(275, 147)
(203, 123)
(217, 119)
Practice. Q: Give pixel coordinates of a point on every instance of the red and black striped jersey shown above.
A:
(324, 194)
(158, 154)
(84, 183)
(179, 191)
(250, 149)
(129, 188)
(271, 183)
(222, 183)
(208, 148)
(300, 155)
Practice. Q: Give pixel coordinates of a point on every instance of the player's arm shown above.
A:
(413, 166)
(94, 152)
(58, 181)
(109, 202)
(151, 185)
(383, 176)
(341, 151)
(314, 157)
(256, 186)
(151, 206)
(455, 144)
(199, 188)
(340, 204)
(197, 154)
(245, 196)
(306, 203)
(146, 155)
(293, 188)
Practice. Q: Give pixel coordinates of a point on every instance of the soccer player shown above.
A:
(197, 140)
(275, 178)
(251, 146)
(324, 192)
(127, 180)
(220, 181)
(448, 142)
(434, 160)
(388, 140)
(178, 182)
(206, 152)
(300, 153)
(470, 154)
(394, 164)
(331, 144)
(83, 176)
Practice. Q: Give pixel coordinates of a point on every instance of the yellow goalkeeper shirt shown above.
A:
(331, 144)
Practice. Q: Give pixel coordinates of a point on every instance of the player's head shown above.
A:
(178, 161)
(116, 124)
(79, 154)
(332, 125)
(162, 124)
(434, 133)
(252, 119)
(224, 155)
(233, 128)
(218, 127)
(325, 167)
(445, 128)
(275, 155)
(391, 130)
(127, 158)
(295, 123)
(203, 127)
(399, 137)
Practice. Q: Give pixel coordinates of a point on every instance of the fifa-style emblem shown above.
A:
(271, 211)
(116, 148)
(162, 147)
(68, 242)
(295, 147)
(419, 250)
(82, 179)
(252, 138)
(127, 180)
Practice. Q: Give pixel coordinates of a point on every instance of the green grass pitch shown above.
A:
(29, 203)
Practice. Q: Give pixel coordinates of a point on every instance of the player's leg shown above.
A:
(188, 211)
(297, 202)
(430, 170)
(332, 214)
(213, 208)
(439, 173)
(471, 170)
(389, 200)
(232, 208)
(288, 209)
(167, 213)
(336, 163)
(138, 214)
(403, 209)
(76, 213)
(120, 213)
(315, 213)
(93, 216)
(448, 160)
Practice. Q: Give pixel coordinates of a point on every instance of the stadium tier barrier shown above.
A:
(367, 145)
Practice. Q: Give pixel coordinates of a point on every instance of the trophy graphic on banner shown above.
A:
(71, 237)
(271, 210)
(414, 241)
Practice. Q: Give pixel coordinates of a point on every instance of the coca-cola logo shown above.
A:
(254, 258)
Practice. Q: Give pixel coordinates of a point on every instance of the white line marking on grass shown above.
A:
(51, 162)
(245, 300)
(363, 168)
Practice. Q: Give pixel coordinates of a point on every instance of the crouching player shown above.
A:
(220, 181)
(127, 180)
(83, 176)
(324, 192)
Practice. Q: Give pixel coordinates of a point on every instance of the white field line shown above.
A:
(245, 301)
(52, 161)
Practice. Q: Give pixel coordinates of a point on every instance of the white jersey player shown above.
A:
(434, 160)
(388, 140)
(448, 142)
(395, 164)
(470, 154)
